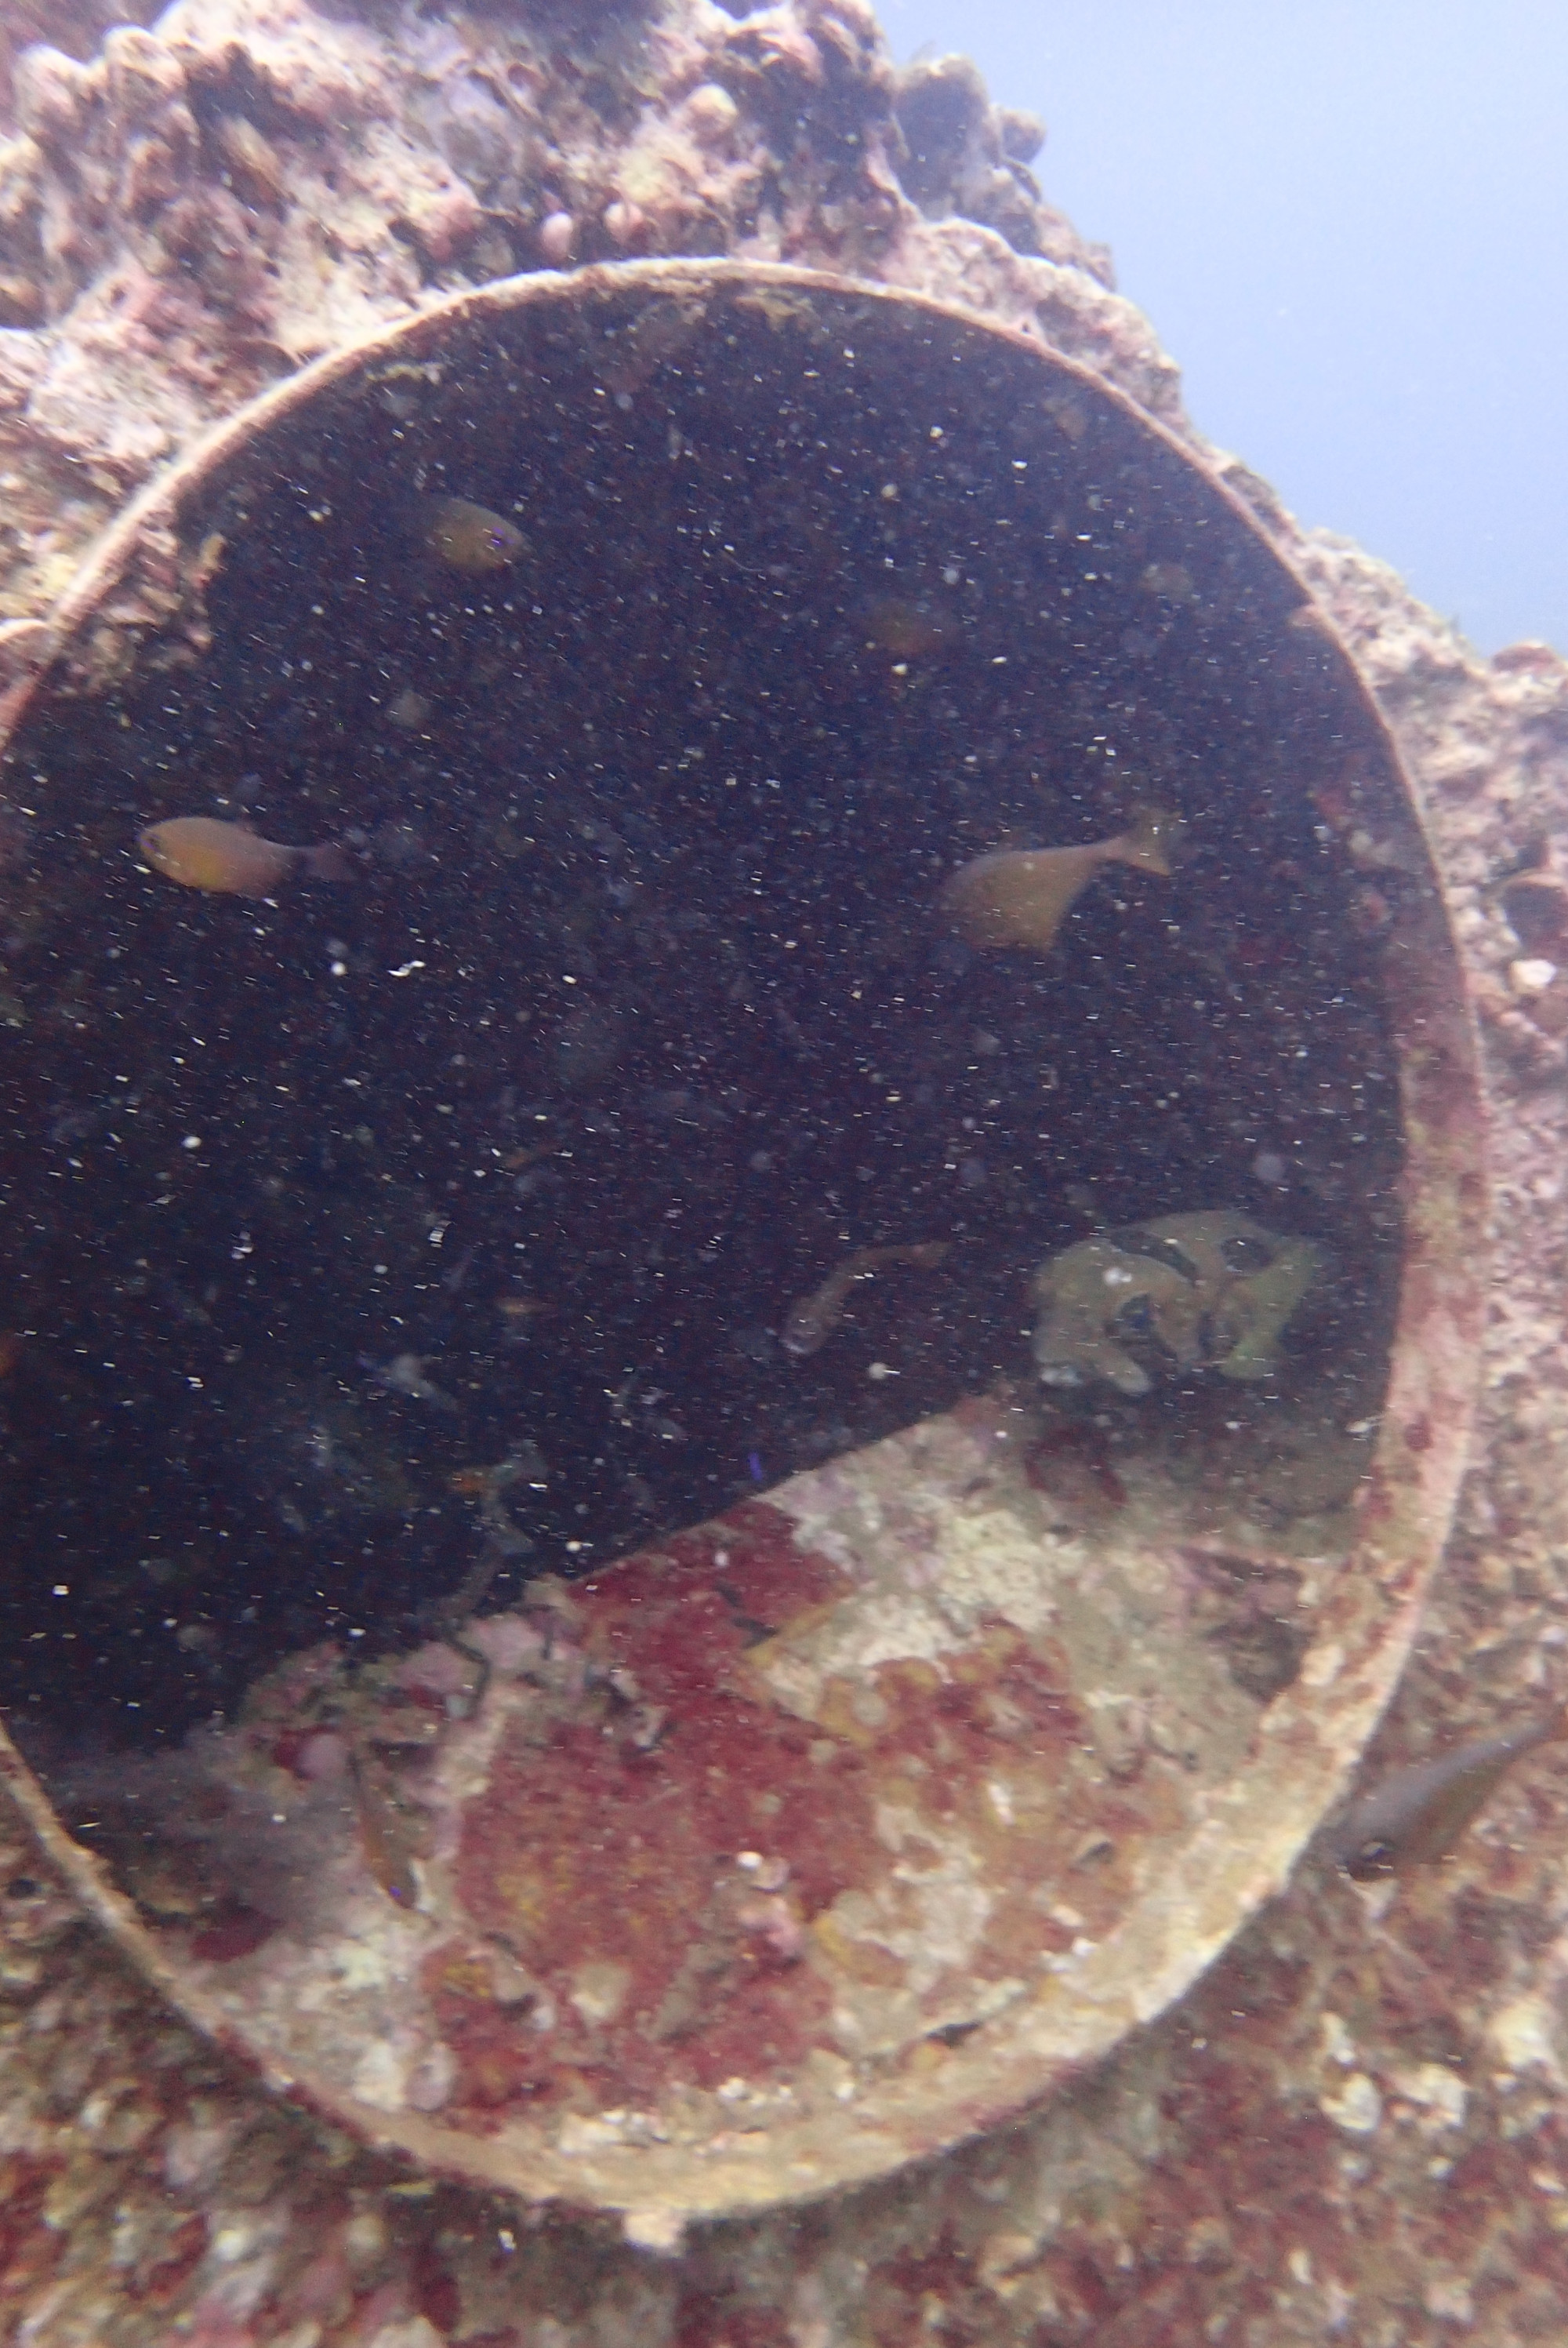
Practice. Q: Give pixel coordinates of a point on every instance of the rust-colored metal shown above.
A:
(802, 1844)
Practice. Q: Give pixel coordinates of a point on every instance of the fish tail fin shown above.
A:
(328, 862)
(1149, 841)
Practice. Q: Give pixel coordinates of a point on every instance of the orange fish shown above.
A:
(201, 852)
(1021, 896)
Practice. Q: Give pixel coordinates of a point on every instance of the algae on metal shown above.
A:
(1231, 1849)
(1194, 1282)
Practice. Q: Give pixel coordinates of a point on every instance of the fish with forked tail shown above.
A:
(1021, 896)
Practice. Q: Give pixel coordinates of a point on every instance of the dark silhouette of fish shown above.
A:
(814, 1320)
(1417, 1813)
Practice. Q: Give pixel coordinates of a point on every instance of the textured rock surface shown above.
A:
(1357, 2129)
(206, 203)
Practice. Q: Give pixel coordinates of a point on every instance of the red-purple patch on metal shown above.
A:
(627, 1145)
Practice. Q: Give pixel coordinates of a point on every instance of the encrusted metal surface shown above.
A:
(843, 1827)
(794, 1846)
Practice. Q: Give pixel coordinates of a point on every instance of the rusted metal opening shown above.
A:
(412, 1234)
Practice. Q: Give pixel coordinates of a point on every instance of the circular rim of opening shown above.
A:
(1315, 1731)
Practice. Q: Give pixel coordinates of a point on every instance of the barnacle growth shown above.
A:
(1212, 1290)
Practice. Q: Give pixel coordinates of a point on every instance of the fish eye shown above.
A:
(1373, 1859)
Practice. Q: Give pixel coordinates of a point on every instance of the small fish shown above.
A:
(469, 537)
(390, 1838)
(201, 852)
(1021, 896)
(812, 1321)
(1418, 1814)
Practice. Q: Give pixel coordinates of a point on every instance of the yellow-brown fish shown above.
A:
(391, 1836)
(812, 1321)
(202, 851)
(1021, 896)
(469, 537)
(1417, 1813)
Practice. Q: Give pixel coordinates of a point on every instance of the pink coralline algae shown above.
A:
(1357, 2127)
(202, 205)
